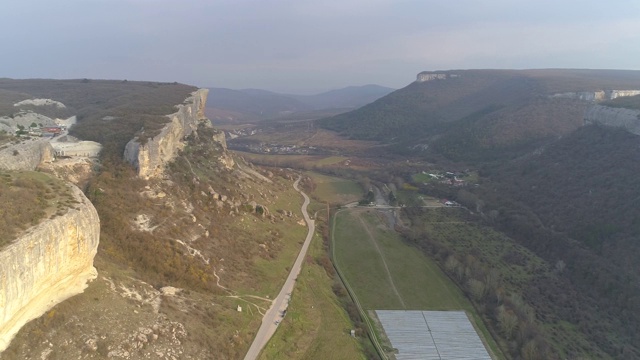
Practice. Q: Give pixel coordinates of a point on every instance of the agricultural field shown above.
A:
(335, 190)
(386, 273)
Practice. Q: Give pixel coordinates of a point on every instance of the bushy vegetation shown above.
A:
(28, 198)
(516, 291)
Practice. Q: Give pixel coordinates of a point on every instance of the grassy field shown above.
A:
(386, 273)
(335, 190)
(297, 161)
(374, 270)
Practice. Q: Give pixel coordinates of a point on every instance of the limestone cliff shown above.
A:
(601, 95)
(430, 76)
(26, 155)
(151, 157)
(628, 119)
(50, 263)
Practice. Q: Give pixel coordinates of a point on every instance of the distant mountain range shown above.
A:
(227, 105)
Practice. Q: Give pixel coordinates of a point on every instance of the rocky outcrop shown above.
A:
(596, 95)
(27, 155)
(50, 263)
(151, 157)
(40, 102)
(628, 119)
(430, 76)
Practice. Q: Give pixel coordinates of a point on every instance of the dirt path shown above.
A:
(384, 261)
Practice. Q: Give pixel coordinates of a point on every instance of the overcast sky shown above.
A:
(309, 46)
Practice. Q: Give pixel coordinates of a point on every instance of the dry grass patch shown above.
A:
(28, 197)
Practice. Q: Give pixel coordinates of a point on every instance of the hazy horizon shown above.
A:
(308, 47)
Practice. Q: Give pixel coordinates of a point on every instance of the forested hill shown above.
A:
(480, 114)
(576, 204)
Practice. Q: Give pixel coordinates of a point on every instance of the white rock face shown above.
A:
(50, 263)
(425, 76)
(27, 155)
(76, 148)
(601, 95)
(151, 157)
(628, 119)
(41, 102)
(621, 93)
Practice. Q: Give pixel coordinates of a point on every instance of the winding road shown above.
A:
(281, 302)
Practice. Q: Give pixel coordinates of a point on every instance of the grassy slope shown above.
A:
(27, 198)
(577, 202)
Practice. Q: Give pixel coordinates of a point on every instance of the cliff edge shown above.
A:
(26, 155)
(50, 263)
(628, 119)
(149, 158)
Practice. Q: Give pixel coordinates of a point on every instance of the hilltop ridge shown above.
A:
(483, 114)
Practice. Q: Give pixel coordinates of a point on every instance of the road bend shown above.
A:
(281, 302)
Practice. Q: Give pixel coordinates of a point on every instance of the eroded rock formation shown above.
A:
(51, 262)
(151, 157)
(27, 155)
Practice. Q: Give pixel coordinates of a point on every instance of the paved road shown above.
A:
(280, 303)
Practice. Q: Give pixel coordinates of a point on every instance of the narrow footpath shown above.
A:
(281, 302)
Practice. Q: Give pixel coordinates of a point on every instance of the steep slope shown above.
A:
(480, 114)
(575, 204)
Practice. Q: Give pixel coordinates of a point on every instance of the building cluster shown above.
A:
(276, 149)
(43, 131)
(449, 178)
